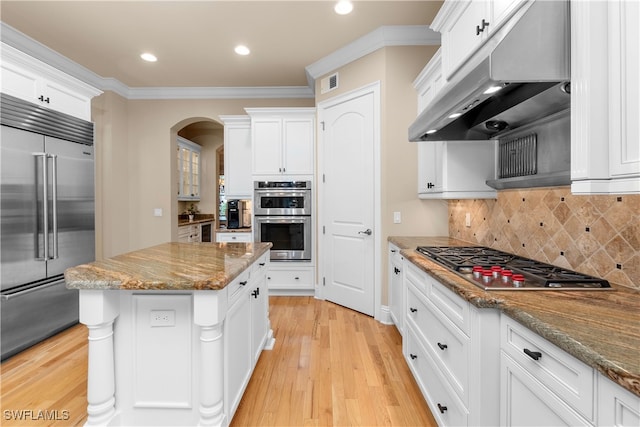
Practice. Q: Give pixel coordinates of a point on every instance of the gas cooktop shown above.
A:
(491, 269)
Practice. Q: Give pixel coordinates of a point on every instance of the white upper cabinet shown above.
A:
(237, 157)
(34, 81)
(283, 142)
(188, 170)
(456, 169)
(605, 94)
(466, 24)
(429, 81)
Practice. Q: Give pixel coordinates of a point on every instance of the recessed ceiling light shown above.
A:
(242, 50)
(149, 57)
(343, 7)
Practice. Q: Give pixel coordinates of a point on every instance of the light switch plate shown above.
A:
(397, 217)
(157, 212)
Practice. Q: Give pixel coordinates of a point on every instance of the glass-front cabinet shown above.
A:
(188, 170)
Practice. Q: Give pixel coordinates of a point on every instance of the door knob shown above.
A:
(367, 232)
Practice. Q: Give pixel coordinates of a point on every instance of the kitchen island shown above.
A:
(175, 331)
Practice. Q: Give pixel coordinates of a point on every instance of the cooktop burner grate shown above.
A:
(537, 275)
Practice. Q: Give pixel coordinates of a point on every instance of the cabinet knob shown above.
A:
(535, 355)
(261, 264)
(442, 346)
(396, 270)
(442, 408)
(243, 283)
(413, 356)
(413, 310)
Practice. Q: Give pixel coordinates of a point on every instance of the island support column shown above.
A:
(98, 310)
(210, 308)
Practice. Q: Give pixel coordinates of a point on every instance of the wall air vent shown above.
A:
(329, 83)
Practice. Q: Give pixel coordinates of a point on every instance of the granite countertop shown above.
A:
(600, 328)
(169, 266)
(182, 222)
(233, 230)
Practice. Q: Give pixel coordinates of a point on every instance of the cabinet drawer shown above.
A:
(260, 266)
(565, 375)
(444, 404)
(237, 285)
(451, 305)
(417, 278)
(447, 344)
(233, 237)
(290, 278)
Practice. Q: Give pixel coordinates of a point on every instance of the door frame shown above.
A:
(377, 215)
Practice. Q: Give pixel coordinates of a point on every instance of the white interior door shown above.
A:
(348, 201)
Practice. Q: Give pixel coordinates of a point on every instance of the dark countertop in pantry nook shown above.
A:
(600, 328)
(169, 266)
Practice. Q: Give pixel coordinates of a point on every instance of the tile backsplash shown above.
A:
(596, 235)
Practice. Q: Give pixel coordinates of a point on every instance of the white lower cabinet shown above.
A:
(234, 237)
(542, 384)
(288, 278)
(189, 233)
(481, 367)
(246, 329)
(452, 350)
(616, 406)
(396, 288)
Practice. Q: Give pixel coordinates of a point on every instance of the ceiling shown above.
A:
(194, 40)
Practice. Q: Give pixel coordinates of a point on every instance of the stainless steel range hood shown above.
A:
(528, 57)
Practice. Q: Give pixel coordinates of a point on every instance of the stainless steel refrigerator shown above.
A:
(46, 219)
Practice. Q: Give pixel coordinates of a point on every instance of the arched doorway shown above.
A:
(208, 135)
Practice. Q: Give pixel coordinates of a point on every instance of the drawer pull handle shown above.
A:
(261, 264)
(535, 355)
(243, 283)
(393, 250)
(413, 356)
(413, 310)
(396, 270)
(442, 346)
(442, 409)
(297, 278)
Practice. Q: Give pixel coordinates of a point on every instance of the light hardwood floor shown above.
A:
(330, 366)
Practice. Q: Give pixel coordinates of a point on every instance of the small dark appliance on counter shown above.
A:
(235, 214)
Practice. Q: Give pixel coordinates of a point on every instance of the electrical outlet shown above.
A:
(467, 219)
(163, 318)
(397, 217)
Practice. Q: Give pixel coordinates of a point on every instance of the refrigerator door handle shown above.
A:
(9, 294)
(54, 197)
(45, 207)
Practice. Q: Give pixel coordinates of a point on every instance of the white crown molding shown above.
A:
(220, 92)
(408, 35)
(398, 35)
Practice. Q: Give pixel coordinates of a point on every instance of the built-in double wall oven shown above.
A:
(282, 214)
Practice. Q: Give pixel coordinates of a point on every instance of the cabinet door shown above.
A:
(267, 143)
(20, 82)
(188, 157)
(430, 164)
(65, 100)
(624, 60)
(526, 402)
(462, 39)
(617, 406)
(298, 146)
(237, 160)
(237, 349)
(259, 309)
(396, 290)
